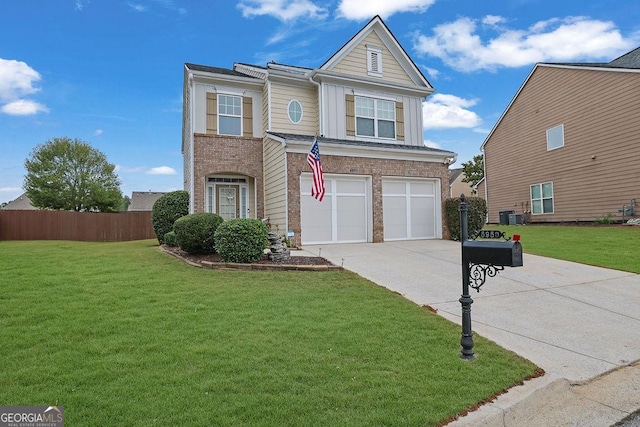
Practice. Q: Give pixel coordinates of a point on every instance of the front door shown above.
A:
(228, 202)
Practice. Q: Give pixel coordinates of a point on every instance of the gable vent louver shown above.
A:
(374, 61)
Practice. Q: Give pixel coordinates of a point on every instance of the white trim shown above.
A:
(542, 198)
(268, 105)
(561, 126)
(192, 178)
(219, 114)
(374, 70)
(375, 118)
(437, 208)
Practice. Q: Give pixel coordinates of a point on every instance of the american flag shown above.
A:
(313, 159)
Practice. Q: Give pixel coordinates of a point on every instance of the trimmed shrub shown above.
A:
(170, 239)
(476, 215)
(241, 240)
(195, 232)
(166, 210)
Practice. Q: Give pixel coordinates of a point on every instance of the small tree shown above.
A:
(66, 174)
(166, 210)
(473, 172)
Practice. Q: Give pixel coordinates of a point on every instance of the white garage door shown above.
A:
(343, 214)
(411, 209)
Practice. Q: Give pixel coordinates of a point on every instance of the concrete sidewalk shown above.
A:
(577, 322)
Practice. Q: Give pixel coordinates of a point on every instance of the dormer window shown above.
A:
(374, 61)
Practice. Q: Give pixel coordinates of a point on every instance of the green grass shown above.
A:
(122, 334)
(613, 247)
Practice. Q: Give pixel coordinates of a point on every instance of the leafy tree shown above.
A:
(126, 201)
(66, 174)
(473, 171)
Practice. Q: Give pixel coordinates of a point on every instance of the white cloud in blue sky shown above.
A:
(284, 10)
(366, 9)
(162, 170)
(460, 46)
(17, 81)
(442, 111)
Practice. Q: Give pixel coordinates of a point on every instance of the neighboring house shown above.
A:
(144, 200)
(458, 187)
(21, 203)
(567, 148)
(247, 132)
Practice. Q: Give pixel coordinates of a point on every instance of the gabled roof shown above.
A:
(215, 70)
(377, 24)
(454, 174)
(21, 203)
(144, 200)
(629, 62)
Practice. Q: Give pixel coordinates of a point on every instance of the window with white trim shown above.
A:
(229, 115)
(374, 61)
(294, 110)
(542, 198)
(375, 118)
(555, 137)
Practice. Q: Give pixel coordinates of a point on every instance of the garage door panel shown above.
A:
(351, 226)
(395, 217)
(343, 214)
(422, 218)
(317, 221)
(409, 209)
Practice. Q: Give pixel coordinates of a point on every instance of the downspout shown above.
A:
(192, 143)
(320, 111)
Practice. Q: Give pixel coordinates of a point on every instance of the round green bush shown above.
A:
(170, 239)
(241, 240)
(195, 232)
(476, 215)
(166, 210)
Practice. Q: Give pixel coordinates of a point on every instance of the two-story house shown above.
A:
(247, 132)
(566, 147)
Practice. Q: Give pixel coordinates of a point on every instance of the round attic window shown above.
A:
(295, 111)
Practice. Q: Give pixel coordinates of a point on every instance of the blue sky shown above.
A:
(110, 71)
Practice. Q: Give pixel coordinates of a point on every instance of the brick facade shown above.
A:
(215, 154)
(377, 169)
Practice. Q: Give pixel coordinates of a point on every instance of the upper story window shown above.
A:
(375, 118)
(294, 111)
(374, 61)
(555, 137)
(542, 198)
(229, 115)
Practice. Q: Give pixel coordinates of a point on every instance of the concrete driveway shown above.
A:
(574, 321)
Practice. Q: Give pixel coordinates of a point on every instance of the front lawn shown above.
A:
(122, 334)
(603, 246)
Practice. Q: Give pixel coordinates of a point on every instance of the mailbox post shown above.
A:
(481, 259)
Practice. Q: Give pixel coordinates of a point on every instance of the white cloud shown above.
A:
(137, 7)
(359, 9)
(128, 169)
(9, 189)
(431, 144)
(442, 111)
(18, 80)
(98, 132)
(432, 72)
(23, 107)
(459, 45)
(284, 10)
(80, 4)
(162, 170)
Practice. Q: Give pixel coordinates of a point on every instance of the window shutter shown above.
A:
(399, 121)
(247, 116)
(212, 113)
(351, 114)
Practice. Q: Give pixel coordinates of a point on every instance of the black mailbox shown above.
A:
(506, 254)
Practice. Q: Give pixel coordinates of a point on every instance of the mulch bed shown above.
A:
(198, 259)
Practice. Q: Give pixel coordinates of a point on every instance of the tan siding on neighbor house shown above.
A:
(355, 63)
(281, 95)
(275, 189)
(596, 172)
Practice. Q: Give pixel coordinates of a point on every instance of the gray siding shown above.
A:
(596, 172)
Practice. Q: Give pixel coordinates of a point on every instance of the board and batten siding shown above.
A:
(355, 63)
(275, 189)
(281, 95)
(335, 114)
(596, 172)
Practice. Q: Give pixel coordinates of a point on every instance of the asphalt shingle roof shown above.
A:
(216, 70)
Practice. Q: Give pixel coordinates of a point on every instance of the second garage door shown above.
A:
(344, 214)
(411, 209)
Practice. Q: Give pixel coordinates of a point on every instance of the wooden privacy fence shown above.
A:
(81, 226)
